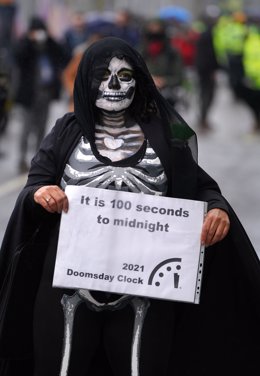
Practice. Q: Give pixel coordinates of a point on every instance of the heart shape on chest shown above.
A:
(113, 143)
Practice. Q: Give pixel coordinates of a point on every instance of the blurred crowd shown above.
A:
(230, 42)
(38, 67)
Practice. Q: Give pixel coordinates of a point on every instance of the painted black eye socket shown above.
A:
(125, 75)
(106, 75)
(100, 72)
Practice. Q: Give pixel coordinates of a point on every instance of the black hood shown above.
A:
(147, 101)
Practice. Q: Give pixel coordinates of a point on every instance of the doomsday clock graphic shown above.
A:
(165, 271)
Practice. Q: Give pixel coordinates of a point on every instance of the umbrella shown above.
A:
(175, 12)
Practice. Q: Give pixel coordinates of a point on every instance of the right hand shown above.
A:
(52, 198)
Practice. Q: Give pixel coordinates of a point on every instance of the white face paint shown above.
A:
(116, 91)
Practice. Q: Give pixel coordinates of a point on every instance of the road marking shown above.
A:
(12, 185)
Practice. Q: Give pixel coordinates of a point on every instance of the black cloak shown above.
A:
(221, 335)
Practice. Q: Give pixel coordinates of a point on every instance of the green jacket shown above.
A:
(251, 59)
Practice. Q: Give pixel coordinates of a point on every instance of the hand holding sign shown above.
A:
(215, 227)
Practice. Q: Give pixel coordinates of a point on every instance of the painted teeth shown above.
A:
(107, 94)
(113, 99)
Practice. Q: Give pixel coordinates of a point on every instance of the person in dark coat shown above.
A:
(126, 27)
(162, 59)
(206, 66)
(160, 149)
(77, 33)
(39, 60)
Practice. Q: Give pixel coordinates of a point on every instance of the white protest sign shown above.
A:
(131, 243)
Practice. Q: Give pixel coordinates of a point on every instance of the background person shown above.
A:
(249, 88)
(126, 27)
(77, 32)
(164, 62)
(206, 66)
(39, 60)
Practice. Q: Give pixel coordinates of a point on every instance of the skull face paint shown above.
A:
(116, 91)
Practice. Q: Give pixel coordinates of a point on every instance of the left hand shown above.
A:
(215, 227)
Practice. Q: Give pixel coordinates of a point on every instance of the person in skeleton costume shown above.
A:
(123, 135)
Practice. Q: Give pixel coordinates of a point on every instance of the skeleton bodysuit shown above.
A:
(116, 138)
